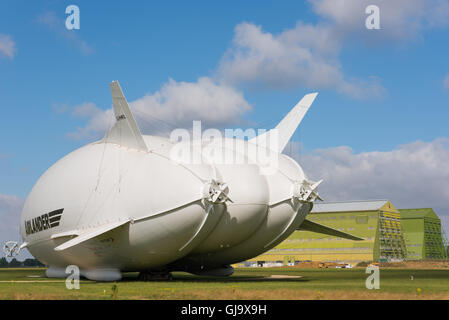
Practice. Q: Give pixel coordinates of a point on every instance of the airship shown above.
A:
(125, 204)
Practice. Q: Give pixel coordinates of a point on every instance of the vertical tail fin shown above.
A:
(125, 130)
(288, 125)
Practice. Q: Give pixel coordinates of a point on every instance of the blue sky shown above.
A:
(380, 91)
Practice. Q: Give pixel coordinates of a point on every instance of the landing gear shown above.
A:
(155, 276)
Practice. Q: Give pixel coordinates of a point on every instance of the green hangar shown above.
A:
(423, 235)
(388, 235)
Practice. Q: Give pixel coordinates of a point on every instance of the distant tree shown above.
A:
(32, 263)
(363, 264)
(29, 262)
(4, 263)
(14, 263)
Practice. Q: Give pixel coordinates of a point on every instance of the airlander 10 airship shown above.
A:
(124, 204)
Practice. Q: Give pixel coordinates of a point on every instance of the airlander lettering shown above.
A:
(197, 147)
(43, 222)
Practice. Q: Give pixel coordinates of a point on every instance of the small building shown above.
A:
(423, 235)
(376, 221)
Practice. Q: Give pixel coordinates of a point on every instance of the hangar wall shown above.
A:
(389, 235)
(423, 234)
(378, 222)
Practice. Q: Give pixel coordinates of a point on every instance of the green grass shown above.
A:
(246, 283)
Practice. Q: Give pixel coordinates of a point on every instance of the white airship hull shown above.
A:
(123, 204)
(166, 212)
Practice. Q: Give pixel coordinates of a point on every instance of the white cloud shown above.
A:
(7, 46)
(411, 175)
(444, 220)
(308, 54)
(305, 56)
(181, 102)
(86, 109)
(399, 19)
(10, 209)
(446, 82)
(57, 24)
(176, 104)
(99, 121)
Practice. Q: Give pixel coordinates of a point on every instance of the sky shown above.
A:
(377, 130)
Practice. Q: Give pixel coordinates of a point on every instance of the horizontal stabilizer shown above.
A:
(87, 235)
(308, 225)
(125, 131)
(287, 127)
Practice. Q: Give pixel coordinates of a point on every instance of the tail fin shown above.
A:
(288, 125)
(308, 225)
(125, 130)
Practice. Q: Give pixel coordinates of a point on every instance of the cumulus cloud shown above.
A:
(411, 175)
(181, 102)
(176, 104)
(7, 46)
(308, 54)
(10, 208)
(57, 24)
(98, 120)
(446, 82)
(399, 19)
(305, 56)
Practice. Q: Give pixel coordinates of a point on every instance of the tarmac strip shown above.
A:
(279, 276)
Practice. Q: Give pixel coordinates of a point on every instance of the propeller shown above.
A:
(11, 249)
(216, 192)
(306, 191)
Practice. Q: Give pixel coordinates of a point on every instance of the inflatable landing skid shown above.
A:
(155, 276)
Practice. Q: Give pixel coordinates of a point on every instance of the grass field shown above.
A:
(246, 283)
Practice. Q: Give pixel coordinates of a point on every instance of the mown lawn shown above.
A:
(246, 283)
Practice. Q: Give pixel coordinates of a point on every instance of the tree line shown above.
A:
(14, 263)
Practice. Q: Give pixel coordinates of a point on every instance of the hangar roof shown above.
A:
(418, 213)
(361, 205)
